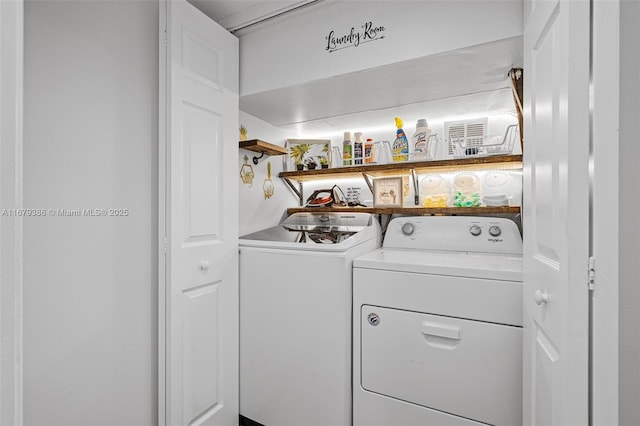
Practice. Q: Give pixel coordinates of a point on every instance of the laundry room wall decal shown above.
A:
(368, 32)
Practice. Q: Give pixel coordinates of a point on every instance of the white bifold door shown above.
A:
(198, 220)
(556, 213)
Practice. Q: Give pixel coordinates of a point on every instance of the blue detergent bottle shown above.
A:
(400, 145)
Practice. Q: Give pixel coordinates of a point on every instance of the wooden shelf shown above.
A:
(477, 163)
(257, 145)
(412, 168)
(417, 211)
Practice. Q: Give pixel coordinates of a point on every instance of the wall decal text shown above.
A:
(368, 32)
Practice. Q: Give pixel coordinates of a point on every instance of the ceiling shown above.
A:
(440, 85)
(238, 14)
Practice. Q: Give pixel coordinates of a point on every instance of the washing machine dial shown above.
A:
(495, 231)
(475, 230)
(408, 228)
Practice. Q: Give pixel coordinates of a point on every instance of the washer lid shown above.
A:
(333, 232)
(456, 264)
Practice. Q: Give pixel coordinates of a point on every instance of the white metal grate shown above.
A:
(471, 132)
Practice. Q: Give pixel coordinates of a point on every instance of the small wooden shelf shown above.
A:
(257, 145)
(416, 211)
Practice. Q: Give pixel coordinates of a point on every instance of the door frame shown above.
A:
(605, 206)
(163, 81)
(11, 127)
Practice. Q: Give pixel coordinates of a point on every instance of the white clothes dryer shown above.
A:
(438, 324)
(295, 318)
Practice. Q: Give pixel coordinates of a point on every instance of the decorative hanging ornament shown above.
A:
(267, 186)
(246, 173)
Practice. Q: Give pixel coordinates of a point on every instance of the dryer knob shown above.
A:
(495, 231)
(475, 230)
(408, 228)
(373, 319)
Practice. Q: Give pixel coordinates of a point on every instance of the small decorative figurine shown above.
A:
(243, 133)
(267, 186)
(246, 172)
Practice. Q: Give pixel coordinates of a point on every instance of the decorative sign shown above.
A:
(369, 32)
(387, 192)
(311, 153)
(353, 194)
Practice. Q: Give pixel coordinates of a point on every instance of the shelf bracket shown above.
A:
(297, 191)
(416, 190)
(367, 179)
(256, 159)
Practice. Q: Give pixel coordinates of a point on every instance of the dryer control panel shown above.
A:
(455, 233)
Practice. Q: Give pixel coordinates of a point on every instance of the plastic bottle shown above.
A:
(347, 149)
(400, 145)
(358, 149)
(368, 151)
(419, 141)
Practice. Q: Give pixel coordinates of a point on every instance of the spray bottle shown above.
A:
(400, 145)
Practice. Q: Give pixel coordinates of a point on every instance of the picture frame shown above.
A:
(387, 192)
(310, 153)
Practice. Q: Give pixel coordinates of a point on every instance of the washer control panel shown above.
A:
(456, 233)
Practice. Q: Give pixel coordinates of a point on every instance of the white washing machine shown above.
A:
(438, 324)
(295, 318)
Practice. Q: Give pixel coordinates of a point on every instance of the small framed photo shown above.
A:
(387, 192)
(308, 154)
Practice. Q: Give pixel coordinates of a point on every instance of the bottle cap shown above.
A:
(422, 123)
(347, 136)
(358, 136)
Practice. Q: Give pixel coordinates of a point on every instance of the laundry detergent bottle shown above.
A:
(347, 150)
(420, 141)
(400, 145)
(358, 149)
(368, 151)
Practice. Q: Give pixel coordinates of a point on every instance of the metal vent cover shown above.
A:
(472, 132)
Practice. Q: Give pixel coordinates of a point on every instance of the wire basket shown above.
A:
(485, 146)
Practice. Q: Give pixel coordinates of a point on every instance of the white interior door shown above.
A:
(201, 223)
(556, 213)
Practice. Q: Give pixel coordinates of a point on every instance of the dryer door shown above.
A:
(468, 368)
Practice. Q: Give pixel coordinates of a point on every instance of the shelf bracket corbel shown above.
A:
(368, 181)
(297, 191)
(257, 159)
(416, 189)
